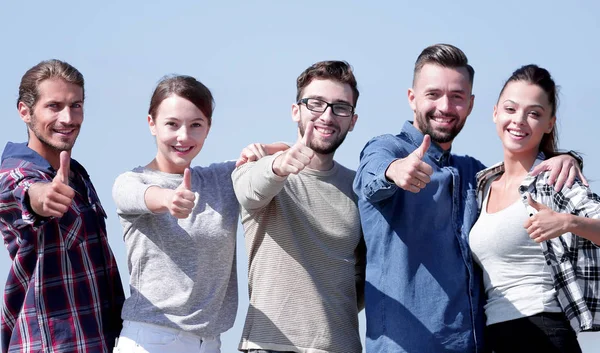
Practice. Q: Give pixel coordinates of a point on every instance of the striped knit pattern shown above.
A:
(301, 236)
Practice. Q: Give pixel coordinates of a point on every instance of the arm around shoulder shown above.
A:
(255, 184)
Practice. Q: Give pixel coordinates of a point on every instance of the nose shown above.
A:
(327, 115)
(443, 104)
(519, 118)
(66, 116)
(182, 134)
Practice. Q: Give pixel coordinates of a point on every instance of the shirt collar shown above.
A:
(23, 152)
(435, 152)
(485, 175)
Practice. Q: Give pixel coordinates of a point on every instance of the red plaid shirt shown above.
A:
(63, 292)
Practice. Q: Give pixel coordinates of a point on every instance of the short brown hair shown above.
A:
(185, 87)
(336, 70)
(444, 55)
(28, 89)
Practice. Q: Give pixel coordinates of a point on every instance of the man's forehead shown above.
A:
(432, 75)
(59, 89)
(329, 89)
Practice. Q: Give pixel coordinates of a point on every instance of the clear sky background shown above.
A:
(250, 53)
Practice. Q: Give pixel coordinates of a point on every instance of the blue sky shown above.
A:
(250, 53)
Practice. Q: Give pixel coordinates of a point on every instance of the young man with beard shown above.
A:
(63, 292)
(303, 235)
(417, 203)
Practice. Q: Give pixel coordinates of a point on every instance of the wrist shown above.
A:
(275, 166)
(569, 222)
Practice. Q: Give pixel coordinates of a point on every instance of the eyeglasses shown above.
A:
(320, 106)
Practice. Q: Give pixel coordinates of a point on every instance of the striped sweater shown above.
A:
(306, 259)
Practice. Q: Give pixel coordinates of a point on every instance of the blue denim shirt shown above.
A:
(422, 290)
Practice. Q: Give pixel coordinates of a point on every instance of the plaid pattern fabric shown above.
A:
(63, 292)
(574, 261)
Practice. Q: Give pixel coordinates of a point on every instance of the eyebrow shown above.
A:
(334, 102)
(194, 120)
(528, 106)
(437, 89)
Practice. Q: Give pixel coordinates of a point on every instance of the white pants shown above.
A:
(139, 337)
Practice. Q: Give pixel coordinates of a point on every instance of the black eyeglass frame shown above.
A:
(327, 105)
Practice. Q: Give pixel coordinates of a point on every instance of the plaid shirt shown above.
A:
(63, 292)
(574, 261)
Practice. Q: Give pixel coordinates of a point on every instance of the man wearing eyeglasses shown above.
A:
(303, 234)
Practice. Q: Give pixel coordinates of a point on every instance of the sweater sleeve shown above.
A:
(255, 184)
(128, 193)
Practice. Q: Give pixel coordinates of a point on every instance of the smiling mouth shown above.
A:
(182, 149)
(442, 120)
(324, 131)
(517, 133)
(64, 132)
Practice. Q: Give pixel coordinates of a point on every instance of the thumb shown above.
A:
(537, 206)
(421, 150)
(187, 179)
(308, 132)
(62, 174)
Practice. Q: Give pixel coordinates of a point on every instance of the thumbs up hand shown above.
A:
(544, 223)
(53, 199)
(182, 198)
(295, 159)
(411, 173)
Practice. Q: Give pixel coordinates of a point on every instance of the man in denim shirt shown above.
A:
(417, 204)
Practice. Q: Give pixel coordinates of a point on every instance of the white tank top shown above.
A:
(518, 282)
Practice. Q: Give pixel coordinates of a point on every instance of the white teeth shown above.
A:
(442, 120)
(182, 149)
(517, 133)
(324, 131)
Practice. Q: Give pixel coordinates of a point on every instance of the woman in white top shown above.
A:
(180, 227)
(536, 246)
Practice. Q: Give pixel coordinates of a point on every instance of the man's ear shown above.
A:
(295, 112)
(411, 99)
(471, 104)
(353, 122)
(24, 112)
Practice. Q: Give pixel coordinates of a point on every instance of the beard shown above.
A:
(323, 147)
(440, 134)
(46, 140)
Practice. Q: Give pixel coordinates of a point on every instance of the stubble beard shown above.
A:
(58, 147)
(441, 135)
(326, 148)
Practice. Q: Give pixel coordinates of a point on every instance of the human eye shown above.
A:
(171, 123)
(535, 114)
(76, 105)
(342, 109)
(315, 103)
(509, 109)
(431, 95)
(196, 125)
